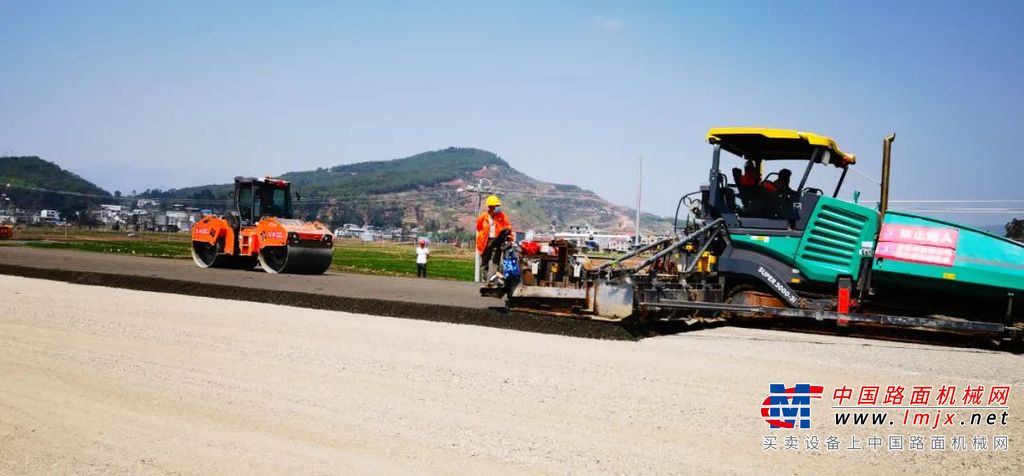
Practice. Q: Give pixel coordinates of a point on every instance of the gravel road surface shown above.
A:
(429, 291)
(426, 299)
(105, 380)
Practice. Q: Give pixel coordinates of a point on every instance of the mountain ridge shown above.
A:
(438, 190)
(26, 179)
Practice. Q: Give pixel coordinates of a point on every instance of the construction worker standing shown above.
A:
(493, 228)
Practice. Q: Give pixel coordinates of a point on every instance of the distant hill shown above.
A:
(21, 179)
(400, 175)
(431, 190)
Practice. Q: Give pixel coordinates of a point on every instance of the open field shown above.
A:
(118, 381)
(398, 260)
(380, 258)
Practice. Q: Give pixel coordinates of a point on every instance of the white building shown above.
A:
(582, 234)
(179, 218)
(349, 230)
(49, 216)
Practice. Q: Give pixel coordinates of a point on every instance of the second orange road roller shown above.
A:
(261, 229)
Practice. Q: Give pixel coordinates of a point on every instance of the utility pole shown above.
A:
(639, 189)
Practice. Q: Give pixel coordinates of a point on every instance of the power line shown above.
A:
(866, 176)
(60, 192)
(992, 211)
(482, 190)
(475, 189)
(952, 201)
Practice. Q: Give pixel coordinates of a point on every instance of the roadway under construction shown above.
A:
(430, 300)
(434, 300)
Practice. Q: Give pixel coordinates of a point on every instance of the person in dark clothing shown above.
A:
(780, 194)
(781, 184)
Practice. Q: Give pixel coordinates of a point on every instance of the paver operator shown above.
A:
(493, 229)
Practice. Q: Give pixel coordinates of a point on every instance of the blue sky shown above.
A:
(143, 94)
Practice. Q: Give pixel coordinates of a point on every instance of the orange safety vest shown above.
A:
(483, 228)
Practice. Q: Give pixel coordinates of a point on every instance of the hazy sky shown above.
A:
(141, 94)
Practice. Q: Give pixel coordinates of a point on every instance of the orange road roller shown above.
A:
(261, 230)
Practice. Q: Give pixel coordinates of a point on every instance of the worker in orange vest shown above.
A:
(751, 176)
(493, 228)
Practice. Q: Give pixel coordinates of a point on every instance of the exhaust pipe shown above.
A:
(886, 158)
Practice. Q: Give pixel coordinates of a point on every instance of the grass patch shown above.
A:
(389, 259)
(138, 248)
(400, 260)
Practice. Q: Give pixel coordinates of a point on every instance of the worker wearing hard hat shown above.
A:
(493, 228)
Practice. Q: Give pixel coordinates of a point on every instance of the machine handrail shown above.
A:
(632, 254)
(679, 243)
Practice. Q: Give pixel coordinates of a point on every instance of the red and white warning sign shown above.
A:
(918, 244)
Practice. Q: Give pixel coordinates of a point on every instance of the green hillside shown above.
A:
(364, 178)
(428, 190)
(391, 176)
(21, 179)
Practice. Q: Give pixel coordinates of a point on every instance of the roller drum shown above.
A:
(206, 255)
(293, 259)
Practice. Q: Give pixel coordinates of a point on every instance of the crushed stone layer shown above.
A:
(108, 380)
(436, 300)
